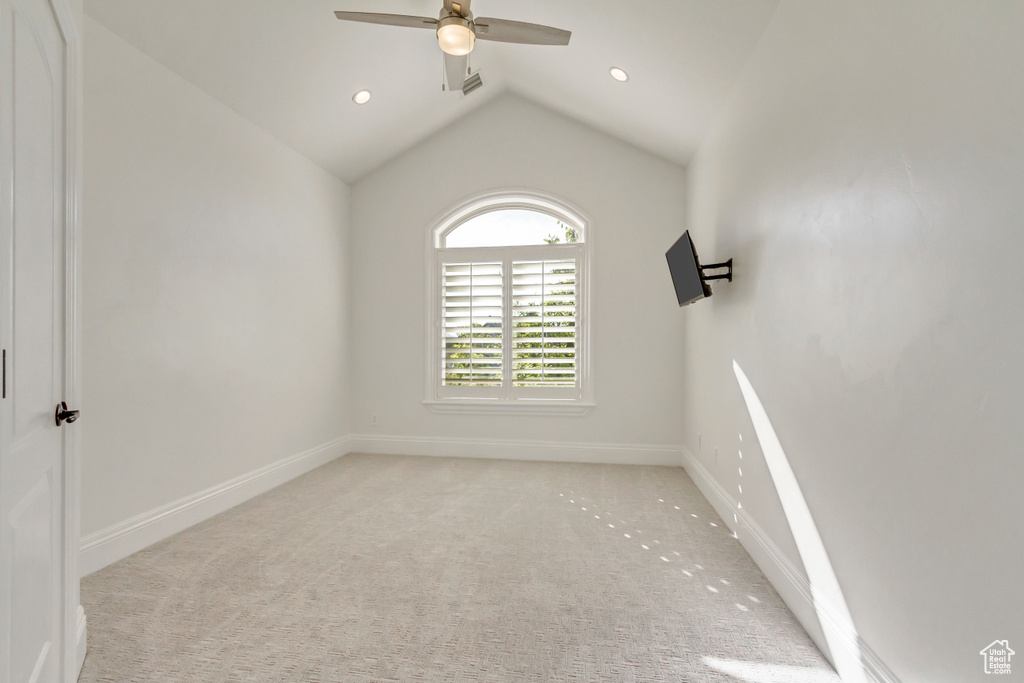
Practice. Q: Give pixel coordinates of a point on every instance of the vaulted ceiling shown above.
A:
(291, 68)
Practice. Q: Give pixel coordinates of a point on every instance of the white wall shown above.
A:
(215, 291)
(868, 180)
(636, 204)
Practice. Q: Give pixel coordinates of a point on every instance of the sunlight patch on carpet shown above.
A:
(755, 672)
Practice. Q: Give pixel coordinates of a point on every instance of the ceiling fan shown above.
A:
(457, 31)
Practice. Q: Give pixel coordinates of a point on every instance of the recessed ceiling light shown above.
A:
(618, 74)
(362, 97)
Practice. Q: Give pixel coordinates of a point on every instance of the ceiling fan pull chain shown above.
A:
(444, 74)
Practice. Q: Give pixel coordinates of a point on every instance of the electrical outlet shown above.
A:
(375, 419)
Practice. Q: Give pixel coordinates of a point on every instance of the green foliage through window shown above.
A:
(571, 235)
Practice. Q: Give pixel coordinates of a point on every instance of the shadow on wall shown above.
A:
(829, 603)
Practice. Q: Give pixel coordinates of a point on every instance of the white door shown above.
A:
(33, 201)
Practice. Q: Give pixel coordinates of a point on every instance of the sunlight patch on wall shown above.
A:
(829, 603)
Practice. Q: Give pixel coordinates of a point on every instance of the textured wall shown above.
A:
(215, 291)
(867, 179)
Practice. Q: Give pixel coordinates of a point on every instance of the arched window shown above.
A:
(509, 307)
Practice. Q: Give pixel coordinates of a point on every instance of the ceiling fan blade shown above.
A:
(455, 70)
(388, 19)
(507, 31)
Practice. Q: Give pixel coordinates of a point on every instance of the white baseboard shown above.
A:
(80, 642)
(116, 542)
(789, 581)
(515, 449)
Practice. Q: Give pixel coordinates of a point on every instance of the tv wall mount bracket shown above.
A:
(715, 266)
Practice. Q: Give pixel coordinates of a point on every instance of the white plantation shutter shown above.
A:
(472, 325)
(544, 323)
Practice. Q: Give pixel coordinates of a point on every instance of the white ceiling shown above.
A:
(290, 67)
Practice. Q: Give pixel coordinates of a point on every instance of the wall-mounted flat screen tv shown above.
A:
(686, 273)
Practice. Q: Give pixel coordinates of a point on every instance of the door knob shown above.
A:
(62, 414)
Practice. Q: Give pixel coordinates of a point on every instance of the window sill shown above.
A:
(471, 406)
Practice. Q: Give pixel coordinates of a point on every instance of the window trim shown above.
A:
(496, 201)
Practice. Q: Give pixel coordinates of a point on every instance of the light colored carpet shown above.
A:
(383, 568)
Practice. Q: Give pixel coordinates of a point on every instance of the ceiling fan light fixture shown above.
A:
(619, 74)
(362, 97)
(455, 36)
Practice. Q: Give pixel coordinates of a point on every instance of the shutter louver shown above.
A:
(544, 323)
(471, 303)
